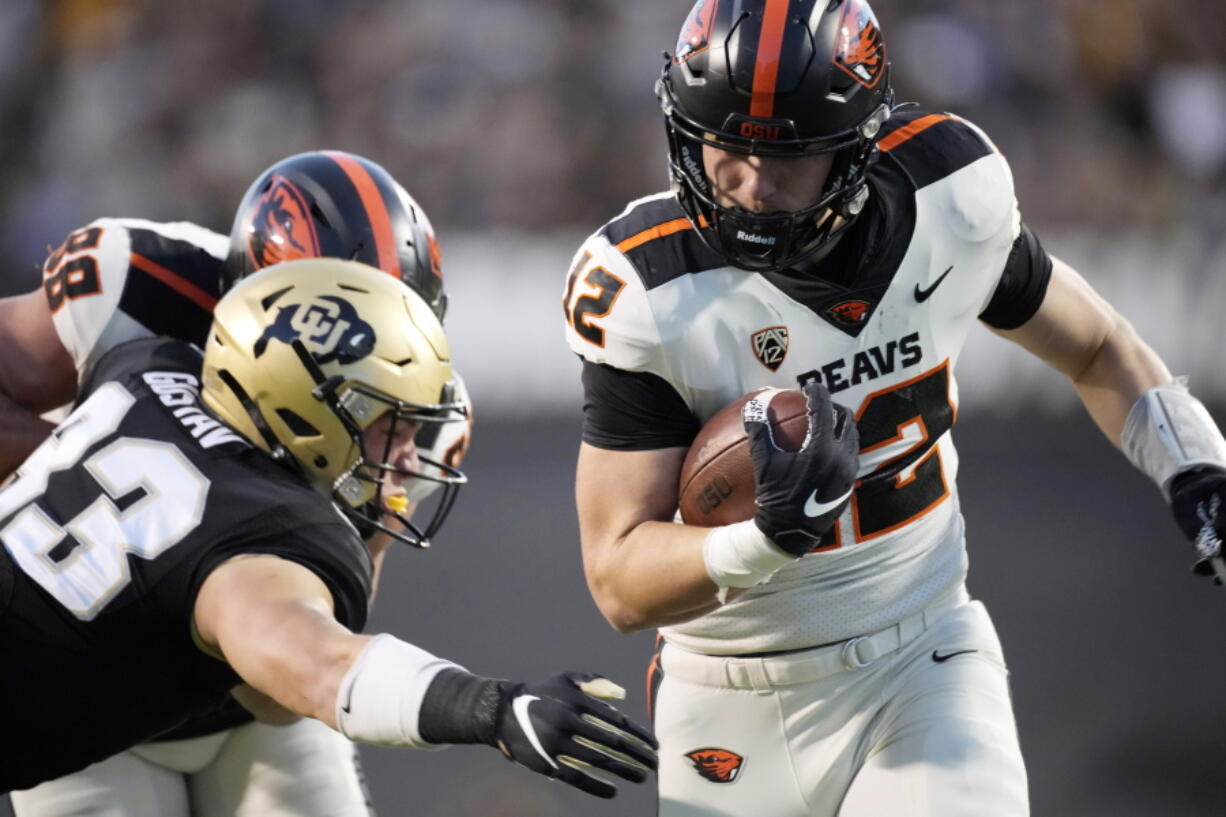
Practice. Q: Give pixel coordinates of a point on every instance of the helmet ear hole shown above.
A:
(296, 424)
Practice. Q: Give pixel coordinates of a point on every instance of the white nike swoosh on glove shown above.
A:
(520, 707)
(813, 508)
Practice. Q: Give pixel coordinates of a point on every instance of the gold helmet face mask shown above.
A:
(306, 355)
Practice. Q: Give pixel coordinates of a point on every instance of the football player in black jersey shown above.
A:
(824, 656)
(119, 279)
(195, 523)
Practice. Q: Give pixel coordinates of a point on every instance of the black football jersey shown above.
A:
(108, 531)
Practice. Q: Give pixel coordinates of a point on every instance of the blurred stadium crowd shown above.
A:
(538, 115)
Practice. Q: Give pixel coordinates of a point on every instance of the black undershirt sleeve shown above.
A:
(1022, 286)
(633, 411)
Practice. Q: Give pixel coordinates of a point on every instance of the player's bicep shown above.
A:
(36, 371)
(1071, 325)
(272, 620)
(250, 588)
(616, 491)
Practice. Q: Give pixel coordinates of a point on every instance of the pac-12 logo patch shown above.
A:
(281, 226)
(770, 346)
(858, 47)
(716, 765)
(850, 313)
(328, 326)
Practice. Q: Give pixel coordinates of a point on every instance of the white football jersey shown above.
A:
(119, 279)
(646, 295)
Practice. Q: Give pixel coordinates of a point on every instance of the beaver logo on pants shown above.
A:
(716, 765)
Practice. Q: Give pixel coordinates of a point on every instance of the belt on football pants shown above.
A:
(763, 673)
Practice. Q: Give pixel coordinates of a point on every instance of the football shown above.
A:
(717, 484)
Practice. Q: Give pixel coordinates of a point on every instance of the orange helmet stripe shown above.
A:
(376, 210)
(766, 67)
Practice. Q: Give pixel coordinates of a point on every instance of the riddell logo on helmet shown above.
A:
(753, 238)
(859, 49)
(716, 765)
(694, 169)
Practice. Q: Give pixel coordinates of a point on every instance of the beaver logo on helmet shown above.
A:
(716, 765)
(696, 33)
(859, 48)
(328, 326)
(281, 228)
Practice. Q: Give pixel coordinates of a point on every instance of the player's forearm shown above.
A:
(1121, 369)
(653, 577)
(301, 663)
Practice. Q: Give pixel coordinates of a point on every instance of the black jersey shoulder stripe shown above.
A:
(660, 243)
(171, 287)
(932, 146)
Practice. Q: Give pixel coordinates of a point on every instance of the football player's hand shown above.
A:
(561, 728)
(800, 494)
(1198, 500)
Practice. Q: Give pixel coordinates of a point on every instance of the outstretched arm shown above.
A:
(1159, 425)
(272, 621)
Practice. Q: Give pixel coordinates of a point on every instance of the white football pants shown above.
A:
(914, 721)
(302, 770)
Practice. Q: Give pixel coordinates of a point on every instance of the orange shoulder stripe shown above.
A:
(652, 233)
(904, 133)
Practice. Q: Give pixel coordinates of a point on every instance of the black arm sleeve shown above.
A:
(1022, 286)
(633, 411)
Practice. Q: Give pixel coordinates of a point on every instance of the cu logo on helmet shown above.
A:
(329, 327)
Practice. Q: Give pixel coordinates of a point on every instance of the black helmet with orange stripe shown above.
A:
(779, 78)
(329, 204)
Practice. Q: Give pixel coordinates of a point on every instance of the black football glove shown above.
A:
(561, 727)
(1197, 500)
(800, 494)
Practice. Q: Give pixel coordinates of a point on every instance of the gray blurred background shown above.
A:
(521, 126)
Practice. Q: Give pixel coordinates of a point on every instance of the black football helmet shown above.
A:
(335, 205)
(781, 78)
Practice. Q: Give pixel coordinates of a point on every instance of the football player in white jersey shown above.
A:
(116, 280)
(824, 658)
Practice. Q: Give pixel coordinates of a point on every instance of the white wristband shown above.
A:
(741, 555)
(1169, 431)
(380, 697)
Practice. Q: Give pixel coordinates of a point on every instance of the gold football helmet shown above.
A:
(307, 354)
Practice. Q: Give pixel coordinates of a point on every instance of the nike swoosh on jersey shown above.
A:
(520, 707)
(943, 658)
(922, 295)
(814, 508)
